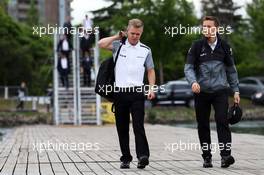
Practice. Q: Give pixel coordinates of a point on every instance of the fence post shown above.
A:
(6, 93)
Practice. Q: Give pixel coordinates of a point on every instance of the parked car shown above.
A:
(258, 98)
(249, 86)
(177, 92)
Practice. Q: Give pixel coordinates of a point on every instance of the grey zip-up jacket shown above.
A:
(214, 69)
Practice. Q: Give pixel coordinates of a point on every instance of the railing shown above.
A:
(7, 92)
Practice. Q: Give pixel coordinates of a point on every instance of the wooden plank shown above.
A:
(33, 169)
(58, 169)
(71, 169)
(45, 168)
(20, 169)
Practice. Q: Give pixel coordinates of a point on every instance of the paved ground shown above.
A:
(46, 150)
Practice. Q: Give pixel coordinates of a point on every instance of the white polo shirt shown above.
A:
(132, 63)
(213, 45)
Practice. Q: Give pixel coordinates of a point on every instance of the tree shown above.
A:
(224, 10)
(33, 15)
(4, 4)
(23, 56)
(256, 23)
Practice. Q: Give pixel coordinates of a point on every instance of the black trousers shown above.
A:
(64, 80)
(87, 78)
(126, 103)
(20, 104)
(219, 101)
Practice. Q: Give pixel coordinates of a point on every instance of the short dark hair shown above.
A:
(212, 18)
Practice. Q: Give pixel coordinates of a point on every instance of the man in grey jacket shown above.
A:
(209, 69)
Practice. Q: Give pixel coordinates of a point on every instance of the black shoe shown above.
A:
(125, 165)
(226, 161)
(142, 162)
(207, 162)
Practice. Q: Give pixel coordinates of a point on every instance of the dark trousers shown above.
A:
(219, 101)
(67, 54)
(64, 80)
(126, 103)
(20, 104)
(87, 78)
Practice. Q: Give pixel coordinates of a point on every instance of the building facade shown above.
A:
(48, 10)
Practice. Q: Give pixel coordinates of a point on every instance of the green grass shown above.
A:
(10, 117)
(178, 114)
(10, 105)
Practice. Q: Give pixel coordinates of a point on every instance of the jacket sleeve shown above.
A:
(231, 71)
(189, 66)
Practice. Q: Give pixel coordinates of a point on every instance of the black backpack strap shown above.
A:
(117, 53)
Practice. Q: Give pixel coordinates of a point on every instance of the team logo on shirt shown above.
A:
(121, 55)
(231, 51)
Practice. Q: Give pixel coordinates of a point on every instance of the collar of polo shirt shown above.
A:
(213, 45)
(130, 45)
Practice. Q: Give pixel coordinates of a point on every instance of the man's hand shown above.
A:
(151, 95)
(236, 98)
(196, 88)
(121, 34)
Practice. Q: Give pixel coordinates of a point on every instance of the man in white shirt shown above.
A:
(64, 70)
(133, 59)
(87, 23)
(87, 64)
(64, 46)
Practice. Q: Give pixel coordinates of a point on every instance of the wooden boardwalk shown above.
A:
(62, 150)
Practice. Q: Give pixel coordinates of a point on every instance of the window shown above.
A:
(250, 82)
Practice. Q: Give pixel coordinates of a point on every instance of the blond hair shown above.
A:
(137, 23)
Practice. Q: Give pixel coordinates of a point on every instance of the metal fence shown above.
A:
(7, 92)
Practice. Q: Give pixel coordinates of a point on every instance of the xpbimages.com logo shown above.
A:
(107, 89)
(191, 146)
(189, 30)
(60, 146)
(51, 30)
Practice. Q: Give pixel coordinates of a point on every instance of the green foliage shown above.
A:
(256, 12)
(32, 16)
(24, 57)
(3, 4)
(224, 10)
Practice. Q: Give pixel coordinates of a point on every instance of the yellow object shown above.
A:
(107, 114)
